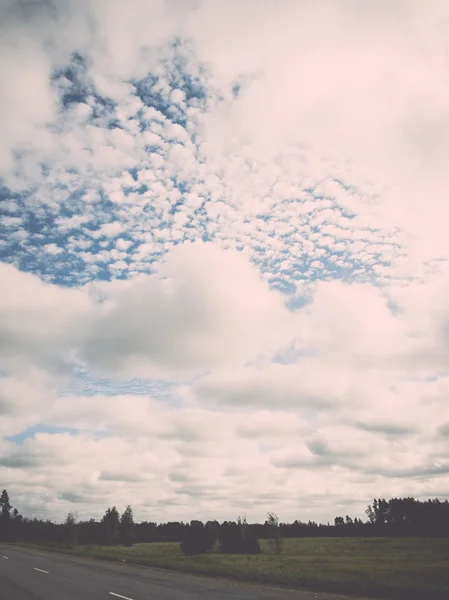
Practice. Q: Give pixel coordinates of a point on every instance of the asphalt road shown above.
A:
(34, 575)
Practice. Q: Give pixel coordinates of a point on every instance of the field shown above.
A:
(413, 568)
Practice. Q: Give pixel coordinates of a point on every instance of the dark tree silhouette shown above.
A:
(393, 517)
(5, 505)
(71, 529)
(274, 533)
(198, 538)
(237, 538)
(5, 516)
(110, 526)
(127, 533)
(146, 532)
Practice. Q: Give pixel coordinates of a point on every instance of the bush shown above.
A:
(198, 539)
(237, 538)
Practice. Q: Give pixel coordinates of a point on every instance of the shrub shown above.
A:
(198, 539)
(237, 538)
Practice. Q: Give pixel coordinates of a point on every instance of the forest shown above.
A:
(396, 517)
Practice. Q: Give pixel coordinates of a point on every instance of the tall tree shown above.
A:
(110, 526)
(5, 505)
(274, 532)
(5, 516)
(71, 529)
(127, 527)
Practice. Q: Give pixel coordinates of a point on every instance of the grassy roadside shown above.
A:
(414, 568)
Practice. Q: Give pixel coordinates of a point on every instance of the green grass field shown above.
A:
(414, 568)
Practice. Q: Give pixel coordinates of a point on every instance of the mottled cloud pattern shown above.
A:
(223, 256)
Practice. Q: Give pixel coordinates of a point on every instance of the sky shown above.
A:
(224, 256)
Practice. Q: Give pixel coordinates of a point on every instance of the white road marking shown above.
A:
(5, 557)
(118, 596)
(40, 570)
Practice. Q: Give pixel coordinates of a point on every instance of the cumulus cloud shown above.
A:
(342, 74)
(23, 402)
(25, 66)
(229, 219)
(205, 307)
(210, 456)
(183, 317)
(39, 322)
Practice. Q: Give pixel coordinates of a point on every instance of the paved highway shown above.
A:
(34, 575)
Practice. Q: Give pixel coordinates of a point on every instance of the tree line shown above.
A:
(394, 517)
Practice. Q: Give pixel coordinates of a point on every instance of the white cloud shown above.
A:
(39, 322)
(111, 229)
(53, 249)
(195, 458)
(186, 315)
(318, 74)
(308, 384)
(240, 134)
(123, 244)
(26, 67)
(186, 318)
(23, 402)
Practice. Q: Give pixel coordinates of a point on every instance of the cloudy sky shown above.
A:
(224, 256)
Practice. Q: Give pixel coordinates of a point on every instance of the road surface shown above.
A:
(35, 575)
